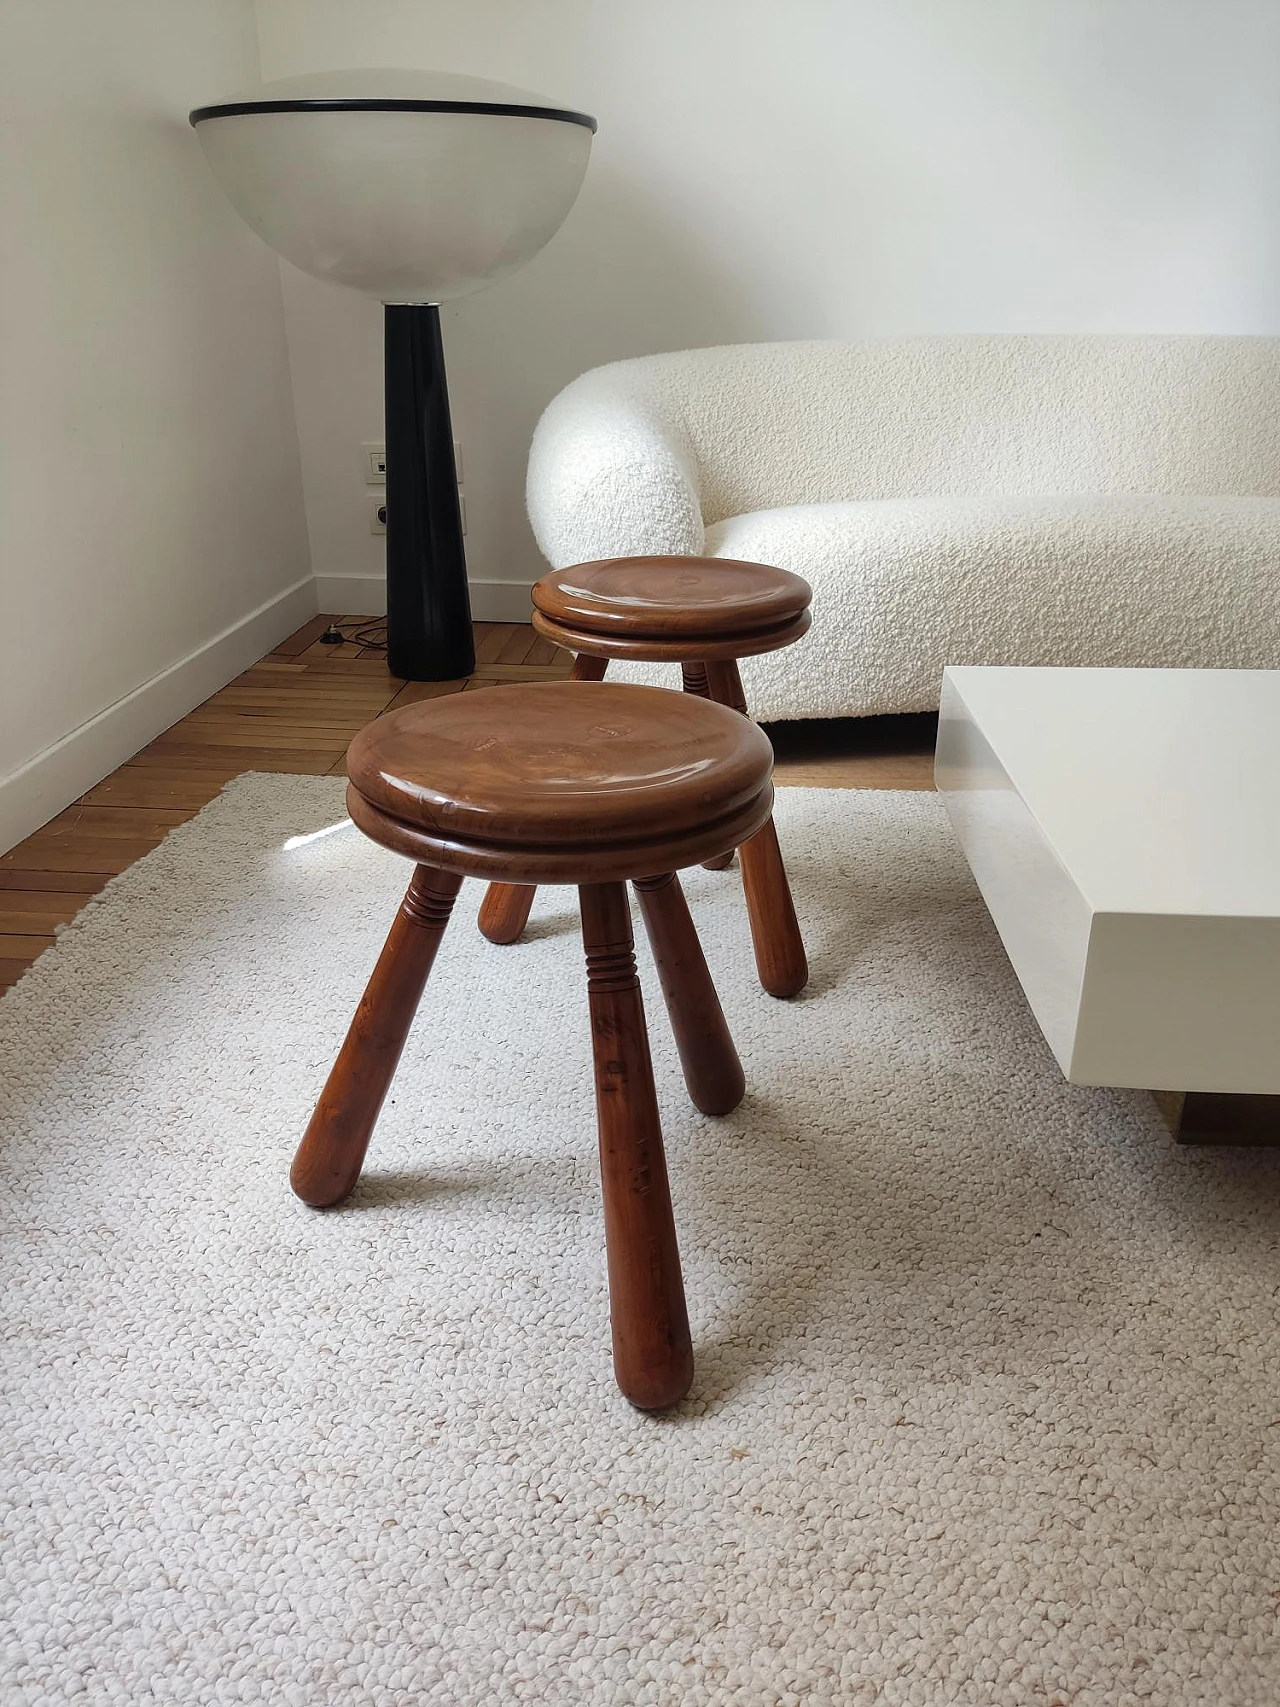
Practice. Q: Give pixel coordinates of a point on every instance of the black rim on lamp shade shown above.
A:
(354, 104)
(429, 636)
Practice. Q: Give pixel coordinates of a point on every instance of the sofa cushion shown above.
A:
(903, 587)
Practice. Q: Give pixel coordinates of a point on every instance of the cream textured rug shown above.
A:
(986, 1409)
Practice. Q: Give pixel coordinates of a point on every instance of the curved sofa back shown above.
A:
(757, 426)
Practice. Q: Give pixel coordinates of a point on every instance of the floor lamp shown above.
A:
(414, 187)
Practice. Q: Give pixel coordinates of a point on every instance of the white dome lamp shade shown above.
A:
(414, 187)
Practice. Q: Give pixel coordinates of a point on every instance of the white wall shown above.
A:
(809, 169)
(153, 540)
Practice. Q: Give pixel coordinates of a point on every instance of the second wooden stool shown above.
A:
(703, 613)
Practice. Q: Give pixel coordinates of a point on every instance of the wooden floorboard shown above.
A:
(38, 912)
(855, 752)
(295, 712)
(306, 635)
(146, 785)
(65, 882)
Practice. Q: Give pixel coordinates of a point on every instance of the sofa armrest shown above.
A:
(610, 476)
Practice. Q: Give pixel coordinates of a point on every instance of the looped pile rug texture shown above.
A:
(986, 1404)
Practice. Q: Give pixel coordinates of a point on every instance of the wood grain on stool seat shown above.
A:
(658, 608)
(712, 597)
(551, 764)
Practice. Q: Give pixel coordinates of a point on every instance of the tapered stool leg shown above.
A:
(332, 1151)
(504, 912)
(695, 682)
(588, 668)
(775, 931)
(652, 1354)
(712, 1070)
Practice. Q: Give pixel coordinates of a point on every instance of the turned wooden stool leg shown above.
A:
(712, 1070)
(775, 933)
(504, 912)
(587, 668)
(652, 1355)
(332, 1151)
(695, 682)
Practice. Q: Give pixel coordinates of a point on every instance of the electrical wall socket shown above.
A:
(375, 462)
(376, 506)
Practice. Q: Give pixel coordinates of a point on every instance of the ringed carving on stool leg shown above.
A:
(652, 1353)
(332, 1152)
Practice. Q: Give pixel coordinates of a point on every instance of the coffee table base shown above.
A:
(1214, 1117)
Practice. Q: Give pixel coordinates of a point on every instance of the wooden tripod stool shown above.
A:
(552, 783)
(703, 613)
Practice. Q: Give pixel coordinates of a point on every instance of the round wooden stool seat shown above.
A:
(561, 781)
(672, 608)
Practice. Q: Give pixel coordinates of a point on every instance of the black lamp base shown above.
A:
(429, 636)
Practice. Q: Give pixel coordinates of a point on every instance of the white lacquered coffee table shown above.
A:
(1124, 829)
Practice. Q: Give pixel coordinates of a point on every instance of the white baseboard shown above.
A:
(63, 772)
(60, 774)
(366, 595)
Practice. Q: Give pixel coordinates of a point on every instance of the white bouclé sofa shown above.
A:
(953, 500)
